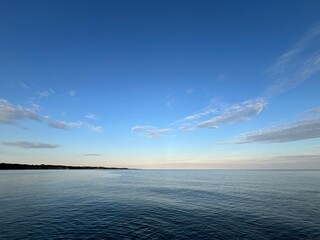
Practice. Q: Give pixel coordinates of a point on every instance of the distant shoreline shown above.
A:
(17, 166)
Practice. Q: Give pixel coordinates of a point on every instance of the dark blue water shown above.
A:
(218, 204)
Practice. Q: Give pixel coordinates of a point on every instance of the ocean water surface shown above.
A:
(159, 204)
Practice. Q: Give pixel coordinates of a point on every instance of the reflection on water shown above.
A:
(212, 204)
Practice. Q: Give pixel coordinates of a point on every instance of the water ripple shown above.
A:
(159, 205)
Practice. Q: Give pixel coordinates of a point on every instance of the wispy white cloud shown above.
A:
(58, 124)
(35, 107)
(28, 145)
(64, 125)
(313, 111)
(45, 93)
(187, 127)
(91, 116)
(77, 124)
(23, 85)
(220, 113)
(200, 114)
(298, 64)
(151, 132)
(300, 130)
(236, 113)
(95, 129)
(11, 114)
(72, 93)
(215, 106)
(170, 103)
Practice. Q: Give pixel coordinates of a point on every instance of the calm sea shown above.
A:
(141, 204)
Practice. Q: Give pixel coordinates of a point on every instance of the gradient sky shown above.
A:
(160, 84)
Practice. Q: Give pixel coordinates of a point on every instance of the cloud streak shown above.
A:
(224, 114)
(91, 116)
(46, 93)
(150, 132)
(200, 114)
(23, 85)
(79, 124)
(300, 130)
(64, 125)
(313, 111)
(298, 64)
(170, 102)
(95, 129)
(236, 113)
(11, 114)
(29, 145)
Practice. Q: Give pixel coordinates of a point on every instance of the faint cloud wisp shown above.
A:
(28, 145)
(72, 93)
(295, 131)
(95, 129)
(91, 116)
(298, 64)
(151, 132)
(64, 125)
(236, 113)
(11, 114)
(46, 93)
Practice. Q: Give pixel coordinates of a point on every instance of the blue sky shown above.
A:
(160, 84)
